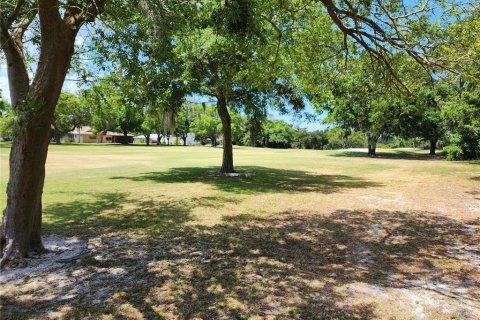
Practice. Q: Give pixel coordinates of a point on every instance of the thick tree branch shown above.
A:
(14, 15)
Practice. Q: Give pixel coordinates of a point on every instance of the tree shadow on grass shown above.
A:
(109, 212)
(261, 180)
(475, 194)
(294, 263)
(116, 212)
(394, 155)
(291, 265)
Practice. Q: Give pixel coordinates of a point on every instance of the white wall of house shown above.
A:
(171, 141)
(90, 138)
(190, 140)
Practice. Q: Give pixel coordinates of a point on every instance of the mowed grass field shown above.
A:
(307, 235)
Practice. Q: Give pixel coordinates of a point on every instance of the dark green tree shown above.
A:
(461, 112)
(278, 134)
(70, 113)
(206, 124)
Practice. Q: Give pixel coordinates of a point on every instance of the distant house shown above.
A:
(86, 135)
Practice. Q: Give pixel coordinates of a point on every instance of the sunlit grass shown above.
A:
(281, 180)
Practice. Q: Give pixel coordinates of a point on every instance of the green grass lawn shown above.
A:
(309, 234)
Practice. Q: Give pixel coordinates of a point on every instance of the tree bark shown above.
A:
(34, 104)
(227, 161)
(433, 146)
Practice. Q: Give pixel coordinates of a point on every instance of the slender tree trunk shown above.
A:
(433, 146)
(58, 139)
(227, 162)
(184, 141)
(147, 139)
(252, 139)
(159, 137)
(372, 145)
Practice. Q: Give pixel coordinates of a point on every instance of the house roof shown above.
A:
(88, 131)
(82, 130)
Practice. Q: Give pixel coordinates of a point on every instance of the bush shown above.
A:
(465, 144)
(383, 146)
(454, 152)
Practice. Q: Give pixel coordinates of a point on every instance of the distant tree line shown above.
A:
(445, 116)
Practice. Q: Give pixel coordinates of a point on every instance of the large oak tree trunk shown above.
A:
(227, 162)
(22, 216)
(34, 105)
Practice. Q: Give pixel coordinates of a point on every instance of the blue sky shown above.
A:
(298, 120)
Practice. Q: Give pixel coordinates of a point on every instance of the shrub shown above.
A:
(454, 152)
(465, 144)
(383, 146)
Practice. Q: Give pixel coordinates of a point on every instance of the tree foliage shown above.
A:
(70, 113)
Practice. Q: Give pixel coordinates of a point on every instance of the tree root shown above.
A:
(11, 257)
(236, 174)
